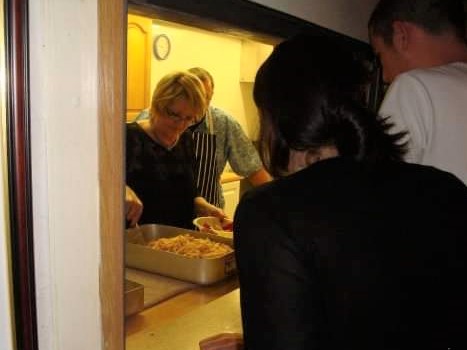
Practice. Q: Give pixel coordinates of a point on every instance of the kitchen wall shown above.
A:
(221, 55)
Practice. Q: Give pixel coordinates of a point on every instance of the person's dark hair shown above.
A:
(434, 16)
(309, 93)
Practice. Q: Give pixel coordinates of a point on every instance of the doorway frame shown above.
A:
(245, 19)
(111, 104)
(262, 24)
(111, 70)
(256, 22)
(19, 173)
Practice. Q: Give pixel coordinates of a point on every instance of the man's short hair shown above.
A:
(434, 16)
(202, 74)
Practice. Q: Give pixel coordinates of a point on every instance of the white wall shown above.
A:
(349, 17)
(6, 313)
(6, 310)
(63, 58)
(6, 306)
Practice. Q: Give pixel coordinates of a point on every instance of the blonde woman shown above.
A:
(160, 156)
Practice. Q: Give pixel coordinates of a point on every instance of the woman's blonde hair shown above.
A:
(180, 84)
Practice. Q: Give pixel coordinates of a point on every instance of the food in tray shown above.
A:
(191, 247)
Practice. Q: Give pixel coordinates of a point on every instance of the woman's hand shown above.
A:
(204, 208)
(222, 341)
(133, 206)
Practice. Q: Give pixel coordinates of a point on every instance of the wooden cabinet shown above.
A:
(139, 46)
(231, 192)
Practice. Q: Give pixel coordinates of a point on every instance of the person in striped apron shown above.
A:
(218, 139)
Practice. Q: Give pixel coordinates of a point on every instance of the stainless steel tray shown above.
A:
(134, 297)
(201, 271)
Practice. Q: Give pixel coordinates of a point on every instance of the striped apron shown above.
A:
(207, 174)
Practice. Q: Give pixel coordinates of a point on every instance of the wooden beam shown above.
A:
(111, 110)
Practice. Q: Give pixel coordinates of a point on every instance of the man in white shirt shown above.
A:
(422, 48)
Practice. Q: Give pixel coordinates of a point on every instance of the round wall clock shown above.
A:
(161, 46)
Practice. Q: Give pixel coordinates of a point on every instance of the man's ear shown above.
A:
(400, 36)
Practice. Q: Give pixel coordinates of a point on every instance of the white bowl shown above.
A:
(213, 225)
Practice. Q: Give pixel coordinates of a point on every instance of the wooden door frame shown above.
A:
(111, 59)
(111, 105)
(259, 23)
(111, 111)
(19, 172)
(244, 18)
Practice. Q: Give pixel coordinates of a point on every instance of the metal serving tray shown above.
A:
(134, 297)
(196, 270)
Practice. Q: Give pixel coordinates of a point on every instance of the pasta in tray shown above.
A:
(191, 247)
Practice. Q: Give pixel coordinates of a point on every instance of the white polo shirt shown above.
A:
(431, 104)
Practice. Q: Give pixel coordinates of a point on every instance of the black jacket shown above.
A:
(351, 255)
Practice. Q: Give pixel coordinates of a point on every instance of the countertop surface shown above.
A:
(185, 332)
(229, 176)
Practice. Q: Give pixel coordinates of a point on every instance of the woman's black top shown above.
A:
(351, 255)
(162, 178)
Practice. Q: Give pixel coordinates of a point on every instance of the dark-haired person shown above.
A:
(423, 52)
(160, 159)
(218, 139)
(350, 247)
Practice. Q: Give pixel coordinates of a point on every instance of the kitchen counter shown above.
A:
(154, 318)
(229, 176)
(185, 332)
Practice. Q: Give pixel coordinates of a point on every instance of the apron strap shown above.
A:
(209, 122)
(206, 167)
